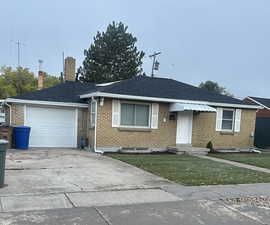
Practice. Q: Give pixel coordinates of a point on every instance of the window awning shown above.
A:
(175, 107)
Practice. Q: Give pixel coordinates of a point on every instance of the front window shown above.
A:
(227, 119)
(135, 115)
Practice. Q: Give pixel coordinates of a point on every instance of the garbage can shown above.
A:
(21, 136)
(3, 149)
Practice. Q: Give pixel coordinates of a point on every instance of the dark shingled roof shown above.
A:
(138, 86)
(264, 101)
(166, 88)
(69, 91)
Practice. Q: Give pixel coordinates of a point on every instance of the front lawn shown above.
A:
(260, 160)
(190, 170)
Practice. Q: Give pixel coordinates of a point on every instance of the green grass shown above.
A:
(260, 160)
(189, 170)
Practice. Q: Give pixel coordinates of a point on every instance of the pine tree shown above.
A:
(113, 56)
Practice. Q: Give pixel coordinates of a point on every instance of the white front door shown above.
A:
(184, 127)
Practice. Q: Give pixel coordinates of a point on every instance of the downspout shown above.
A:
(95, 133)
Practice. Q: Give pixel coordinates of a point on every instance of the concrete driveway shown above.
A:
(66, 170)
(77, 187)
(65, 178)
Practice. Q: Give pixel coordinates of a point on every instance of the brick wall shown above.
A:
(17, 112)
(107, 136)
(263, 113)
(204, 125)
(91, 137)
(82, 124)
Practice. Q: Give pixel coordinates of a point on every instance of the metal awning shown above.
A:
(175, 107)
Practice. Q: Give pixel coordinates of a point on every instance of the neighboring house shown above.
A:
(262, 131)
(141, 112)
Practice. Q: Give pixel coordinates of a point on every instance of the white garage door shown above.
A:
(52, 127)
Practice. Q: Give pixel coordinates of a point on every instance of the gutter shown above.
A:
(51, 103)
(168, 100)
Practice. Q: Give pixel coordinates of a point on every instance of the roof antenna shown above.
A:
(155, 65)
(18, 43)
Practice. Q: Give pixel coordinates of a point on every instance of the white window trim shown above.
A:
(233, 120)
(136, 103)
(92, 113)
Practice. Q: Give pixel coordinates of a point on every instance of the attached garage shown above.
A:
(52, 127)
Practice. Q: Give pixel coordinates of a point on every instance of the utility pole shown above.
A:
(18, 43)
(19, 52)
(63, 72)
(155, 65)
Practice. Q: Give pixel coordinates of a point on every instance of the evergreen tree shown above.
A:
(113, 56)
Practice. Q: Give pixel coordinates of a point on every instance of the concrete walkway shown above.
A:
(242, 165)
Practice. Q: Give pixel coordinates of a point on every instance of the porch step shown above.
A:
(189, 150)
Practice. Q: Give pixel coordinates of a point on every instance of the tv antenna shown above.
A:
(155, 65)
(18, 43)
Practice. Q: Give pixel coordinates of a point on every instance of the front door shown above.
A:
(184, 127)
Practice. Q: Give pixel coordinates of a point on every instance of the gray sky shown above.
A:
(222, 40)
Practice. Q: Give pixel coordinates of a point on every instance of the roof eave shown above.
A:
(155, 99)
(52, 103)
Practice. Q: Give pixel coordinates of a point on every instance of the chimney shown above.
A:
(70, 65)
(40, 76)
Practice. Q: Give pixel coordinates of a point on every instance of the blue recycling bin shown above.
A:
(21, 137)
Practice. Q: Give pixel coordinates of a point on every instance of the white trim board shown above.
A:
(34, 102)
(134, 97)
(76, 126)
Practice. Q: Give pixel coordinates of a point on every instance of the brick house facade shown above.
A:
(203, 131)
(141, 113)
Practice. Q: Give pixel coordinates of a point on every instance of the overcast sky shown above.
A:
(221, 40)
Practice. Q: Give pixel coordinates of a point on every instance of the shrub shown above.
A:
(210, 146)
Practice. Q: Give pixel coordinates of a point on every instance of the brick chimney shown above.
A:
(70, 66)
(40, 75)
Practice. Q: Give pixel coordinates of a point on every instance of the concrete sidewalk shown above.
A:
(218, 192)
(196, 212)
(16, 203)
(173, 192)
(233, 163)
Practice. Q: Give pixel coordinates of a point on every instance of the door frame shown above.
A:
(187, 116)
